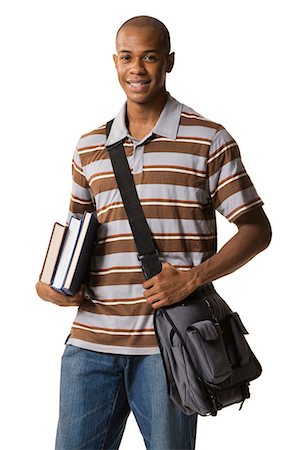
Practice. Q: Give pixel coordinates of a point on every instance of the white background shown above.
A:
(236, 64)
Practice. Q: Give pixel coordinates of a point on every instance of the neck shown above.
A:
(142, 118)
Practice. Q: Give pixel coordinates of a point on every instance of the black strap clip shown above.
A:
(151, 264)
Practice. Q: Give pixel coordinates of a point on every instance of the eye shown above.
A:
(150, 58)
(125, 58)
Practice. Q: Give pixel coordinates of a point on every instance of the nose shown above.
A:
(137, 66)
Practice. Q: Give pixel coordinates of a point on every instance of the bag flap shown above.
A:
(207, 330)
(239, 323)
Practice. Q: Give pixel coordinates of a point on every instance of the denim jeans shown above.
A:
(97, 393)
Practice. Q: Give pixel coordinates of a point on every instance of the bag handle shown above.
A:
(147, 253)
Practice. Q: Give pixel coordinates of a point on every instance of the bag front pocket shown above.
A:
(207, 350)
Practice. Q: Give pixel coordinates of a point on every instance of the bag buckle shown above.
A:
(150, 263)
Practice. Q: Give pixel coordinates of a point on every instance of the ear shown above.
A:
(115, 59)
(170, 62)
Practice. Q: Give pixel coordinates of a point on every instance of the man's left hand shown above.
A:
(168, 287)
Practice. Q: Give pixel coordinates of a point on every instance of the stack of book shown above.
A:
(69, 252)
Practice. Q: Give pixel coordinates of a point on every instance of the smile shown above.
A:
(137, 83)
(138, 86)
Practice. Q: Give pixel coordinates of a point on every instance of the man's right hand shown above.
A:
(48, 294)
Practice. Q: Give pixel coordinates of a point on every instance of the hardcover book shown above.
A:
(53, 252)
(66, 253)
(80, 263)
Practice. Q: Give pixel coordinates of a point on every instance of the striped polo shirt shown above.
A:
(184, 170)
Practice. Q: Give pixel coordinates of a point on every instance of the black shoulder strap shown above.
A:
(147, 252)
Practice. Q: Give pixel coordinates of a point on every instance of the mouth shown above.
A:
(138, 86)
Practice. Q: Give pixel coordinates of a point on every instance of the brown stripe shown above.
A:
(106, 339)
(230, 189)
(227, 156)
(78, 177)
(174, 178)
(116, 279)
(78, 208)
(231, 142)
(178, 147)
(249, 206)
(115, 247)
(102, 184)
(200, 122)
(96, 155)
(124, 331)
(138, 309)
(161, 212)
(101, 153)
(151, 177)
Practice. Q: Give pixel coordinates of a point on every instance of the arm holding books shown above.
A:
(81, 202)
(48, 294)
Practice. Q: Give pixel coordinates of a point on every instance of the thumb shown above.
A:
(166, 265)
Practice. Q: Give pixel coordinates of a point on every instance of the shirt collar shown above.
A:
(166, 126)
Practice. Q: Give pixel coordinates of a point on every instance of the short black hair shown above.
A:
(148, 21)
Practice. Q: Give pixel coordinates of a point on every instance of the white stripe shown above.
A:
(107, 272)
(152, 203)
(116, 333)
(145, 203)
(82, 202)
(169, 169)
(108, 208)
(132, 302)
(89, 150)
(243, 209)
(77, 169)
(222, 151)
(193, 116)
(178, 237)
(116, 239)
(195, 238)
(193, 141)
(100, 147)
(100, 177)
(227, 182)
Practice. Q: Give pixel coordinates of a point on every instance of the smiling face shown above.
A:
(142, 63)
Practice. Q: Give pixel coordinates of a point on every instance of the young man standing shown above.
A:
(185, 167)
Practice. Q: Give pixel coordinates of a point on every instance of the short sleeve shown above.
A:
(81, 197)
(231, 190)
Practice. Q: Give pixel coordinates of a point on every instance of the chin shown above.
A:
(140, 100)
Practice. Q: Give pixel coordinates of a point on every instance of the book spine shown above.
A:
(59, 253)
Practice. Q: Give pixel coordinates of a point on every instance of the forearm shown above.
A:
(171, 285)
(250, 240)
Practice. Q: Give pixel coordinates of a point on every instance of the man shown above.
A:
(185, 167)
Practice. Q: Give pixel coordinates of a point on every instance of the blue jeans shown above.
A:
(98, 391)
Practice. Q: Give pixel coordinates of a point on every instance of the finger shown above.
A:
(153, 299)
(149, 283)
(149, 292)
(68, 302)
(158, 304)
